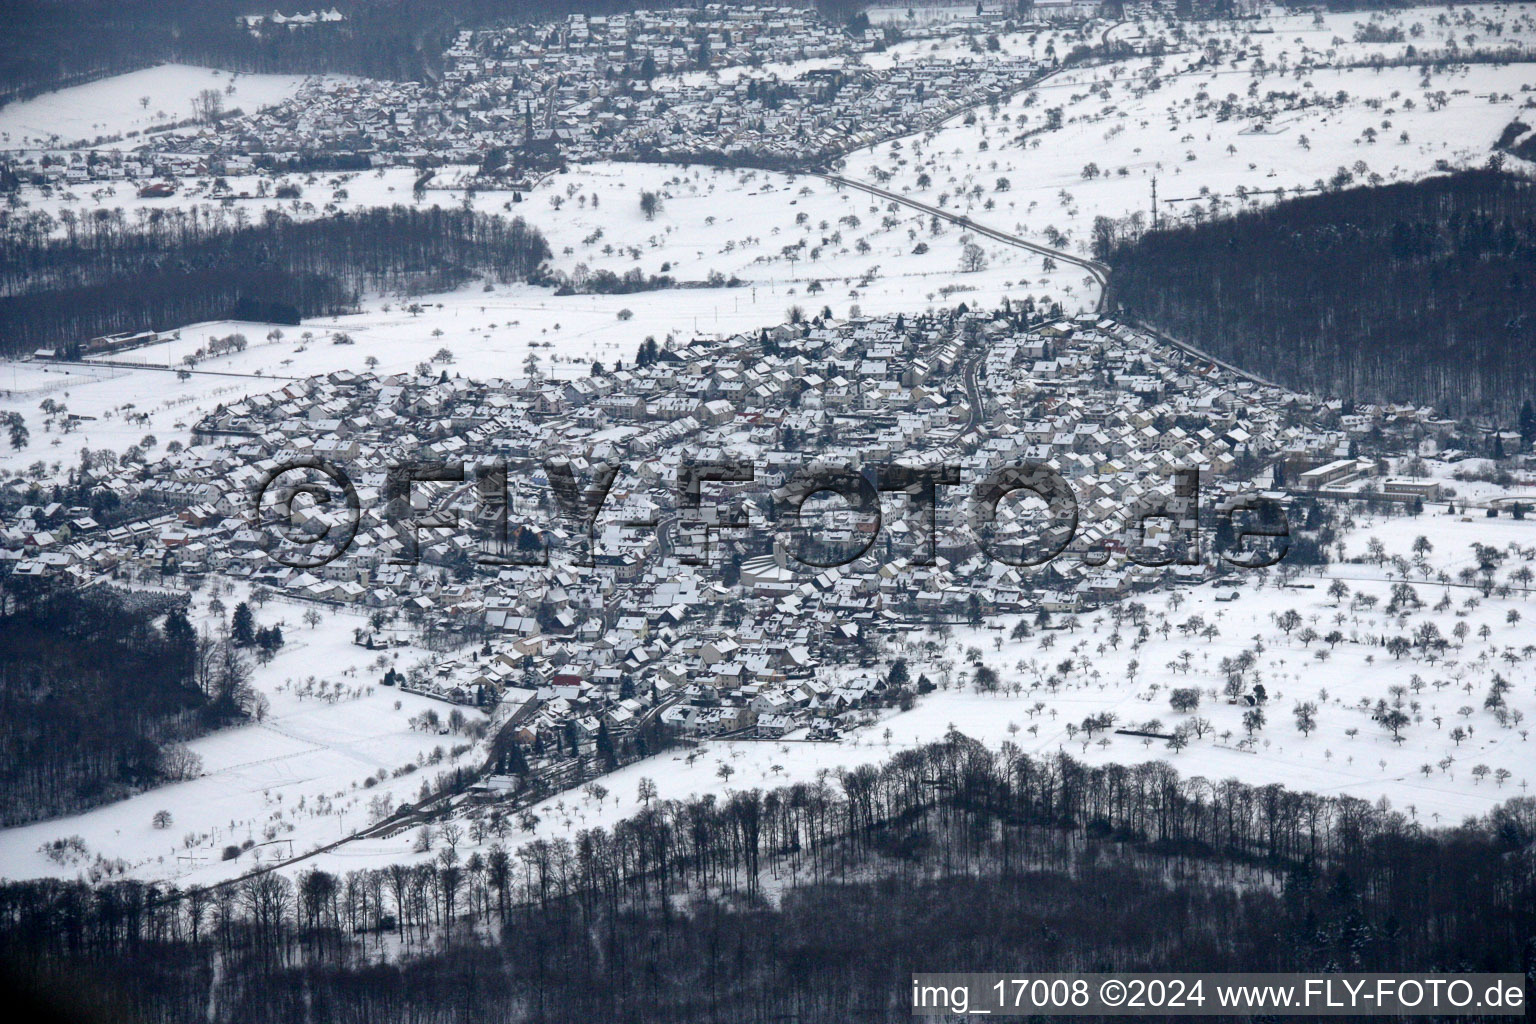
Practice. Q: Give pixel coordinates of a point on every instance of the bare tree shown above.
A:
(208, 105)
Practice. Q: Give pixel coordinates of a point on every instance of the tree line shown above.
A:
(96, 698)
(946, 857)
(1416, 292)
(103, 273)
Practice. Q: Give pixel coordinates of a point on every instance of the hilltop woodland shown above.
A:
(812, 903)
(98, 690)
(1420, 292)
(103, 274)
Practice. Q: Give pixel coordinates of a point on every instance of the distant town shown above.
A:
(716, 83)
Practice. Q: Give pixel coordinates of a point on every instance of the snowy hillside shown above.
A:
(134, 102)
(1287, 105)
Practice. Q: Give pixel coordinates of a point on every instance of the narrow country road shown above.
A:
(1098, 271)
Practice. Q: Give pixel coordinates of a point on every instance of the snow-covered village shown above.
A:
(715, 464)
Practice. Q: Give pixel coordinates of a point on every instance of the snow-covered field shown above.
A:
(319, 766)
(801, 238)
(115, 399)
(134, 102)
(1146, 117)
(734, 223)
(850, 252)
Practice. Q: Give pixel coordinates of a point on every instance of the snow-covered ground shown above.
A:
(747, 224)
(319, 766)
(734, 224)
(740, 224)
(134, 102)
(1147, 117)
(114, 399)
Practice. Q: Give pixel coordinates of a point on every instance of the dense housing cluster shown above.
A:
(669, 616)
(773, 86)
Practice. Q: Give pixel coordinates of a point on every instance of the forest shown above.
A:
(811, 903)
(104, 273)
(1517, 140)
(1421, 292)
(95, 698)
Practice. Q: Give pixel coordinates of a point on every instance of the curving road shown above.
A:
(1098, 271)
